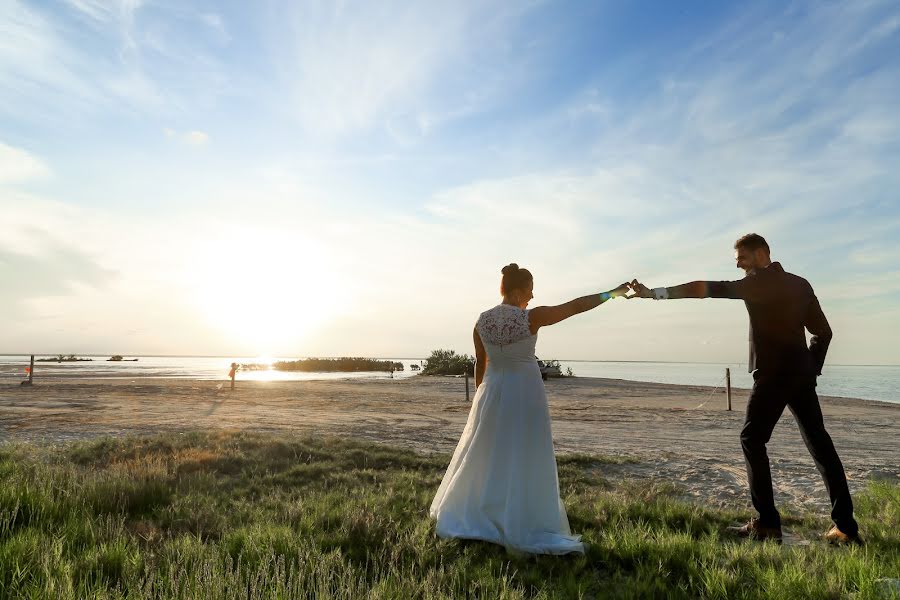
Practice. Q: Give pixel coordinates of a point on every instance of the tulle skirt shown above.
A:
(502, 485)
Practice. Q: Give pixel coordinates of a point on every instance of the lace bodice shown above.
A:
(503, 325)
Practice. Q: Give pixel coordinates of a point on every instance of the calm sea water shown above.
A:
(174, 367)
(867, 382)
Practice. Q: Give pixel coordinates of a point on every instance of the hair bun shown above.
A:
(510, 268)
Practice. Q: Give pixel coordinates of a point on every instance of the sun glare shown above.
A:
(264, 360)
(265, 291)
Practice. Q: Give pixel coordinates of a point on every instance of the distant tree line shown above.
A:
(337, 365)
(448, 362)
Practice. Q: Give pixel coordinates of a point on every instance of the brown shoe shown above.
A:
(839, 538)
(754, 531)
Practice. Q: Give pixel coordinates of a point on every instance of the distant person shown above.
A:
(781, 305)
(502, 484)
(233, 373)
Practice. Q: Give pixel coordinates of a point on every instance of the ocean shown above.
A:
(849, 381)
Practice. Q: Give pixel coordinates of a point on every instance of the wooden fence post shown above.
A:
(30, 380)
(728, 385)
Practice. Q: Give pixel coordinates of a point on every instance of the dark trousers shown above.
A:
(767, 402)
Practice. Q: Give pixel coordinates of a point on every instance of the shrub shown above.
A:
(448, 362)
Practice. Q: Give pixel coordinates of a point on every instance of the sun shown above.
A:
(265, 291)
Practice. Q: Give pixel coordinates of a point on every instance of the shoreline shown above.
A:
(9, 375)
(339, 377)
(678, 434)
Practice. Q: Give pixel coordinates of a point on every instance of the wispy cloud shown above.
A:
(216, 23)
(34, 57)
(193, 138)
(782, 136)
(390, 65)
(17, 165)
(56, 271)
(50, 73)
(104, 11)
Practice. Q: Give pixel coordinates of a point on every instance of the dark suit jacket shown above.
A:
(780, 306)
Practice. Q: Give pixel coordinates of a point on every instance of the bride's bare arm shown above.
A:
(481, 359)
(550, 315)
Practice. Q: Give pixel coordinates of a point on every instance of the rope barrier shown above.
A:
(709, 397)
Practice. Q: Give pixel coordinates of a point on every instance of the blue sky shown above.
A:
(348, 178)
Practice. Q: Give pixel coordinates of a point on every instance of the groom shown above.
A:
(784, 369)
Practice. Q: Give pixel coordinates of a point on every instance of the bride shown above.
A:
(501, 485)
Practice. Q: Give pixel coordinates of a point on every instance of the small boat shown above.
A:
(549, 368)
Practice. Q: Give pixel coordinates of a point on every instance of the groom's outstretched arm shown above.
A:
(741, 289)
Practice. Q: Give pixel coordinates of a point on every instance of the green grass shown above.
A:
(238, 515)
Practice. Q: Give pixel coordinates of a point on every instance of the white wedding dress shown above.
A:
(502, 485)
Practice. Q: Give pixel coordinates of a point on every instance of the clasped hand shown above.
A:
(634, 289)
(639, 290)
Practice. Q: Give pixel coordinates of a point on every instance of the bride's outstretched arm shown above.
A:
(480, 358)
(550, 315)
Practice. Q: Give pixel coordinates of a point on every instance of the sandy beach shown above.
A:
(680, 434)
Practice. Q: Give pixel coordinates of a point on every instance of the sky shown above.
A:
(348, 178)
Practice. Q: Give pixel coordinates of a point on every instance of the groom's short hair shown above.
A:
(752, 242)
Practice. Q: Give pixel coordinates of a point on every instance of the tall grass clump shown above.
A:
(242, 515)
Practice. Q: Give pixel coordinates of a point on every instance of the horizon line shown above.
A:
(421, 358)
